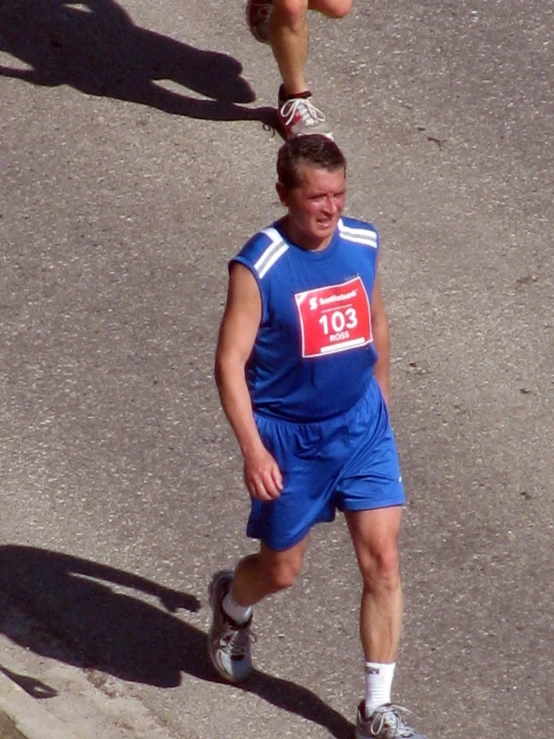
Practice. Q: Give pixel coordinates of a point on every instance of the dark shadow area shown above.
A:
(95, 47)
(82, 620)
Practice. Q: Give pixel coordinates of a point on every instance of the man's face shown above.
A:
(314, 206)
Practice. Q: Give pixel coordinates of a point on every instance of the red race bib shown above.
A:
(334, 318)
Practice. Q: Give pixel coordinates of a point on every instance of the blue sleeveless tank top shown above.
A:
(313, 357)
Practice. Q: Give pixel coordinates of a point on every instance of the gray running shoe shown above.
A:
(258, 13)
(299, 117)
(385, 722)
(228, 642)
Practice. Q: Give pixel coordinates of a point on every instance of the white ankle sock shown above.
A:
(239, 614)
(378, 685)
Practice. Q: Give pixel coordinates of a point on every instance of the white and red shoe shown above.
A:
(298, 116)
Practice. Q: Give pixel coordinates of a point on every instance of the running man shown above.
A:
(302, 369)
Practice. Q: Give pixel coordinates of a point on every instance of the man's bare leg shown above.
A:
(266, 572)
(288, 36)
(375, 536)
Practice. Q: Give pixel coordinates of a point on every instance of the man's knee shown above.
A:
(381, 568)
(282, 576)
(332, 8)
(290, 11)
(281, 571)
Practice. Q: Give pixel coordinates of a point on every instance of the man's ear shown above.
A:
(282, 193)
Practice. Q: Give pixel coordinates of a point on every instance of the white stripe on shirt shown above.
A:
(272, 253)
(364, 236)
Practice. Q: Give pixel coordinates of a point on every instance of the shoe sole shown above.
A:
(286, 135)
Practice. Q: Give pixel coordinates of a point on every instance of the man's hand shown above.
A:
(262, 476)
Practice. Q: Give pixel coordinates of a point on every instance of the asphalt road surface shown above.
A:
(134, 162)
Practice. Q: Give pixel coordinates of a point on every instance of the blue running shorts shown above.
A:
(348, 462)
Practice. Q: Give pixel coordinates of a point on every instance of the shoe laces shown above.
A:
(236, 640)
(303, 109)
(389, 716)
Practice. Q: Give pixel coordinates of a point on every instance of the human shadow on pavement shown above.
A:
(35, 688)
(94, 46)
(80, 614)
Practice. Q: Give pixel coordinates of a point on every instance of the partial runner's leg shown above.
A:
(255, 577)
(375, 538)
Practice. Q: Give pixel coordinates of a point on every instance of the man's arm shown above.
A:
(237, 335)
(381, 340)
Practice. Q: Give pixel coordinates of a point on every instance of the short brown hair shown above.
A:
(314, 150)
